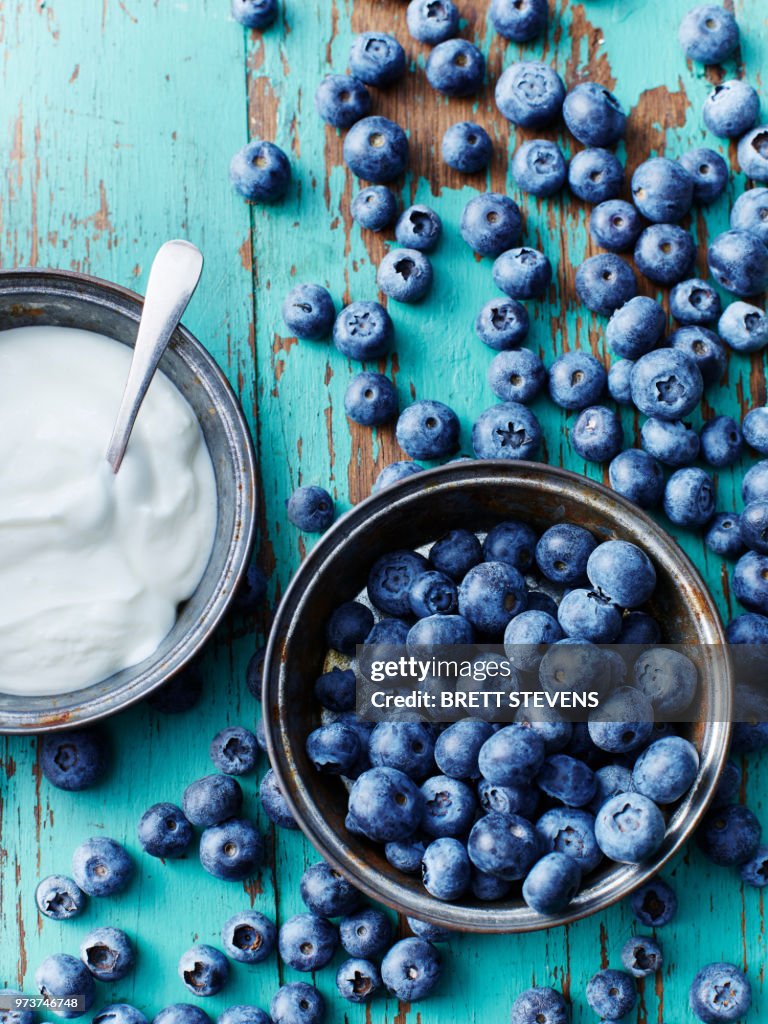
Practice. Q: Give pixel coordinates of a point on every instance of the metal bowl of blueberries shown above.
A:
(32, 297)
(476, 826)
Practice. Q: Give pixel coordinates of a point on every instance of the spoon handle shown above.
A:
(172, 281)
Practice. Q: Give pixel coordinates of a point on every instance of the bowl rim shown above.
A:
(128, 303)
(619, 882)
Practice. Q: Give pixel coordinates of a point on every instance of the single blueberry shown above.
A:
(576, 380)
(615, 225)
(432, 21)
(491, 594)
(519, 20)
(665, 253)
(629, 828)
(502, 324)
(374, 208)
(517, 375)
(636, 327)
(530, 94)
(164, 831)
(366, 933)
(654, 904)
(296, 1003)
(456, 67)
(308, 311)
(723, 535)
(539, 168)
(108, 954)
(376, 149)
(694, 302)
(670, 441)
(738, 261)
(61, 976)
(522, 273)
(752, 154)
(731, 109)
(507, 430)
(405, 275)
(418, 227)
(341, 100)
(274, 803)
(249, 937)
(720, 991)
(232, 851)
(467, 147)
(551, 884)
(363, 331)
(662, 190)
(260, 172)
(637, 476)
(709, 171)
(605, 283)
(377, 58)
(611, 994)
(708, 33)
(666, 770)
(101, 867)
(491, 223)
(593, 115)
(59, 898)
(255, 13)
(411, 969)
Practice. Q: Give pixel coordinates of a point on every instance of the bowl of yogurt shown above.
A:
(111, 582)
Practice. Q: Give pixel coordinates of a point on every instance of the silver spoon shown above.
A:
(172, 281)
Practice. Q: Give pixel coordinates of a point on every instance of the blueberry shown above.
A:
(720, 992)
(491, 223)
(502, 324)
(539, 167)
(385, 805)
(307, 942)
(491, 594)
(456, 68)
(377, 58)
(540, 601)
(261, 738)
(390, 580)
(101, 867)
(274, 803)
(666, 770)
(297, 1003)
(419, 227)
(260, 172)
(122, 1013)
(665, 253)
(636, 327)
(376, 149)
(637, 476)
(433, 593)
(522, 273)
(738, 261)
(405, 856)
(689, 497)
(729, 835)
(255, 13)
(467, 147)
(752, 154)
(576, 380)
(212, 799)
(611, 994)
(526, 638)
(666, 383)
(254, 672)
(513, 756)
(457, 748)
(728, 787)
(504, 845)
(164, 831)
(670, 441)
(668, 679)
(334, 749)
(639, 628)
(73, 760)
(750, 213)
(21, 1016)
(308, 311)
(642, 956)
(519, 20)
(562, 553)
(506, 431)
(755, 871)
(517, 375)
(708, 33)
(374, 208)
(593, 115)
(723, 535)
(662, 190)
(326, 892)
(449, 807)
(709, 172)
(610, 781)
(623, 722)
(405, 275)
(551, 884)
(428, 430)
(755, 482)
(587, 615)
(721, 441)
(363, 331)
(570, 831)
(366, 933)
(108, 954)
(310, 509)
(446, 869)
(566, 779)
(59, 898)
(370, 399)
(615, 224)
(595, 175)
(754, 429)
(248, 937)
(349, 625)
(750, 580)
(250, 597)
(520, 800)
(341, 100)
(432, 22)
(629, 828)
(622, 572)
(232, 851)
(357, 980)
(234, 750)
(604, 283)
(181, 1013)
(411, 969)
(705, 348)
(540, 1006)
(243, 1015)
(731, 109)
(394, 472)
(554, 731)
(530, 94)
(426, 930)
(487, 887)
(654, 904)
(456, 553)
(694, 302)
(512, 542)
(61, 976)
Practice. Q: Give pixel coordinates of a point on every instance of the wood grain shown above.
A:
(119, 122)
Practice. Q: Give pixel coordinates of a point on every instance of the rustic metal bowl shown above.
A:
(475, 495)
(61, 298)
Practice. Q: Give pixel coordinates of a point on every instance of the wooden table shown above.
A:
(119, 120)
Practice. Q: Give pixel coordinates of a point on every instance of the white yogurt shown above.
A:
(93, 565)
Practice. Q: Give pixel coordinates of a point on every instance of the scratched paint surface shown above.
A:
(119, 119)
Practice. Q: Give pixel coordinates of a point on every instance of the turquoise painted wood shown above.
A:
(119, 119)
